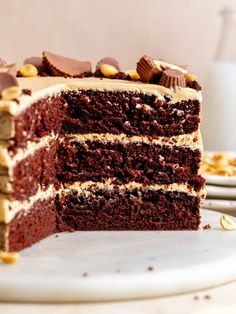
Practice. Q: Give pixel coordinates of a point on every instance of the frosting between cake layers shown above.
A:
(9, 208)
(192, 140)
(50, 86)
(9, 159)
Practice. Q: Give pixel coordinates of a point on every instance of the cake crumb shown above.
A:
(206, 227)
(207, 297)
(85, 274)
(26, 91)
(9, 257)
(150, 268)
(196, 297)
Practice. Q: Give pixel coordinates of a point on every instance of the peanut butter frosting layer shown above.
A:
(50, 86)
(8, 160)
(9, 208)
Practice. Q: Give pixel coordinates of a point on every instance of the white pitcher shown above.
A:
(219, 92)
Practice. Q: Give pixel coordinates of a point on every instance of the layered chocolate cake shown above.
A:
(108, 150)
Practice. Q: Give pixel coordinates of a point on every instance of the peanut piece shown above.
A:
(133, 74)
(221, 163)
(11, 93)
(190, 77)
(28, 70)
(9, 257)
(227, 223)
(108, 70)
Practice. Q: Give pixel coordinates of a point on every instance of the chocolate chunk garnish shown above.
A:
(7, 80)
(26, 91)
(195, 85)
(172, 78)
(62, 66)
(121, 76)
(9, 68)
(35, 61)
(110, 61)
(148, 71)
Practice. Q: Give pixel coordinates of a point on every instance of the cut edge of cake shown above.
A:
(47, 88)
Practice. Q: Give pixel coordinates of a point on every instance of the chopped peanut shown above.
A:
(108, 70)
(191, 77)
(219, 163)
(11, 93)
(28, 70)
(9, 257)
(133, 74)
(227, 223)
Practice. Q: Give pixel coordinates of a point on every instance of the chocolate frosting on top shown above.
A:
(62, 66)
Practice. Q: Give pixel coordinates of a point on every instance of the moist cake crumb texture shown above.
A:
(115, 151)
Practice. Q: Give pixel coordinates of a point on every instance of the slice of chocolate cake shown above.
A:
(99, 153)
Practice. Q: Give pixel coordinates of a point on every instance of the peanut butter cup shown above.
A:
(148, 70)
(109, 61)
(7, 80)
(172, 78)
(35, 61)
(62, 66)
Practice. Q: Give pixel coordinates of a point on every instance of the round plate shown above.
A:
(226, 206)
(221, 192)
(220, 180)
(99, 266)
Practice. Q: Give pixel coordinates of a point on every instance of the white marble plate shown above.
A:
(220, 180)
(226, 206)
(121, 265)
(221, 192)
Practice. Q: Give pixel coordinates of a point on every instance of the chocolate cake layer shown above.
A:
(42, 118)
(29, 228)
(37, 171)
(102, 209)
(97, 111)
(74, 183)
(137, 209)
(71, 159)
(116, 112)
(99, 160)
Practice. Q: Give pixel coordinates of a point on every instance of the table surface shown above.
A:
(212, 301)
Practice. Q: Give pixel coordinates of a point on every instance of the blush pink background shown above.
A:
(181, 31)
